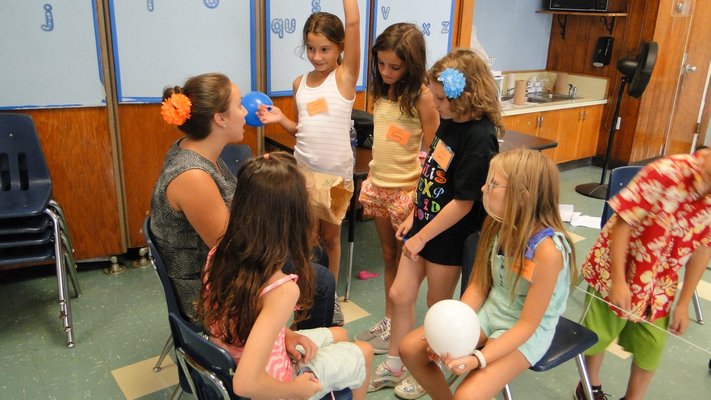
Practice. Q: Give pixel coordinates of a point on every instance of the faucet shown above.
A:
(572, 90)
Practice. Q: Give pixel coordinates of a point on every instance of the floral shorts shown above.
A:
(393, 203)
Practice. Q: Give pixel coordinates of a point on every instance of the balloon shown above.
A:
(251, 101)
(452, 327)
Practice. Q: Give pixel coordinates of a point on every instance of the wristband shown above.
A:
(480, 357)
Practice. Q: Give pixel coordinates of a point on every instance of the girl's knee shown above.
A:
(367, 351)
(413, 345)
(401, 296)
(339, 334)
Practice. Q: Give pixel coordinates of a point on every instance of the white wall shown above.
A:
(512, 33)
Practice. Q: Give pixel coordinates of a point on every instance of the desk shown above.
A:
(510, 140)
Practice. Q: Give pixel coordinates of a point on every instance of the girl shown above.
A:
(519, 285)
(247, 301)
(448, 206)
(324, 101)
(404, 119)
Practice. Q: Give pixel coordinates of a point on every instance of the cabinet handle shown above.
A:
(541, 125)
(585, 115)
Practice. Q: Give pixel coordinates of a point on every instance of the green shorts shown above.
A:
(645, 342)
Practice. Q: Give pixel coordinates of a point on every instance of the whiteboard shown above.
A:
(163, 43)
(50, 55)
(433, 17)
(285, 23)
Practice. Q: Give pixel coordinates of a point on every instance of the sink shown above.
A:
(547, 98)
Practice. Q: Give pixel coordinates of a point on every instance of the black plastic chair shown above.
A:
(208, 367)
(619, 178)
(570, 340)
(172, 305)
(32, 224)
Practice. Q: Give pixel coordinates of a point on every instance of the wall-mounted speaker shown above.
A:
(603, 51)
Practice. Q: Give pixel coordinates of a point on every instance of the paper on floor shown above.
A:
(576, 218)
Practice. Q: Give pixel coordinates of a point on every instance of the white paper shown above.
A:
(566, 211)
(586, 221)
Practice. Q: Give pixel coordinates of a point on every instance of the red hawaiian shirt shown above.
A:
(670, 217)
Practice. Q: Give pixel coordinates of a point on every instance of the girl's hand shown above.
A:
(292, 339)
(307, 385)
(412, 247)
(431, 355)
(403, 229)
(621, 296)
(460, 366)
(269, 114)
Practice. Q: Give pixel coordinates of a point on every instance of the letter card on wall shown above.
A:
(433, 17)
(159, 43)
(285, 22)
(50, 55)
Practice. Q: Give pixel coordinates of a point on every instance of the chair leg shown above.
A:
(506, 392)
(72, 268)
(177, 393)
(163, 354)
(697, 308)
(65, 310)
(584, 378)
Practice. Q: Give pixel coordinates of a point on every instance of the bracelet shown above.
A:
(480, 357)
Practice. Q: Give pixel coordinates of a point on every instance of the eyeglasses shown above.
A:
(491, 185)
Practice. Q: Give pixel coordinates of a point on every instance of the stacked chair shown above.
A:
(33, 229)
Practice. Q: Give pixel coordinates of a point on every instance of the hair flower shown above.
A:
(453, 81)
(176, 109)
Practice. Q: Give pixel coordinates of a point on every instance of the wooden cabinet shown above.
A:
(576, 130)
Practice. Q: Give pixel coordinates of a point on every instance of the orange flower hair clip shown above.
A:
(176, 109)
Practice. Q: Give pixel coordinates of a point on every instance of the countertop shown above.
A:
(509, 109)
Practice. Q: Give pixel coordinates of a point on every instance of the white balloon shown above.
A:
(452, 327)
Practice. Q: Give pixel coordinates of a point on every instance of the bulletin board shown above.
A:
(285, 23)
(163, 43)
(433, 17)
(50, 55)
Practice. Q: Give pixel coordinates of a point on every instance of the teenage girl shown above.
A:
(405, 120)
(248, 302)
(448, 207)
(324, 101)
(519, 286)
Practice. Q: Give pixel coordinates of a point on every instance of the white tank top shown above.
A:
(322, 135)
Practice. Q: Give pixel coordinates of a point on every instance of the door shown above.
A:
(689, 113)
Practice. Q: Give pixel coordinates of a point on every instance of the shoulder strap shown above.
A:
(268, 288)
(533, 241)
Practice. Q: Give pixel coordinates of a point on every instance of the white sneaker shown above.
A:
(381, 343)
(384, 377)
(371, 333)
(408, 388)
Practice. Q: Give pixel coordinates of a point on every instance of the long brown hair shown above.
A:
(530, 204)
(209, 95)
(407, 42)
(270, 222)
(480, 98)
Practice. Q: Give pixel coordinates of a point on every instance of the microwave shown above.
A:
(578, 5)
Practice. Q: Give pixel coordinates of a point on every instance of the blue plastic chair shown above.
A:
(235, 155)
(32, 224)
(619, 178)
(570, 340)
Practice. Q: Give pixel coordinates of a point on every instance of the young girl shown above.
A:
(448, 206)
(519, 286)
(247, 301)
(404, 120)
(324, 101)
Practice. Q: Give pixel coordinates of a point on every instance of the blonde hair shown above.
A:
(479, 98)
(530, 204)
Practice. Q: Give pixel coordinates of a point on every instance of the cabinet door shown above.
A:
(589, 131)
(568, 134)
(548, 129)
(524, 123)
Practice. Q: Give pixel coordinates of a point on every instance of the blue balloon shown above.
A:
(251, 101)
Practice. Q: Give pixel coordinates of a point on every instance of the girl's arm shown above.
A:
(429, 117)
(448, 216)
(207, 213)
(251, 379)
(272, 114)
(473, 297)
(549, 262)
(347, 72)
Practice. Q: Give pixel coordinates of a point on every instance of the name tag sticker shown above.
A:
(398, 134)
(317, 106)
(443, 155)
(529, 267)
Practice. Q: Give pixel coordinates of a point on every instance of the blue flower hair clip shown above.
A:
(453, 81)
